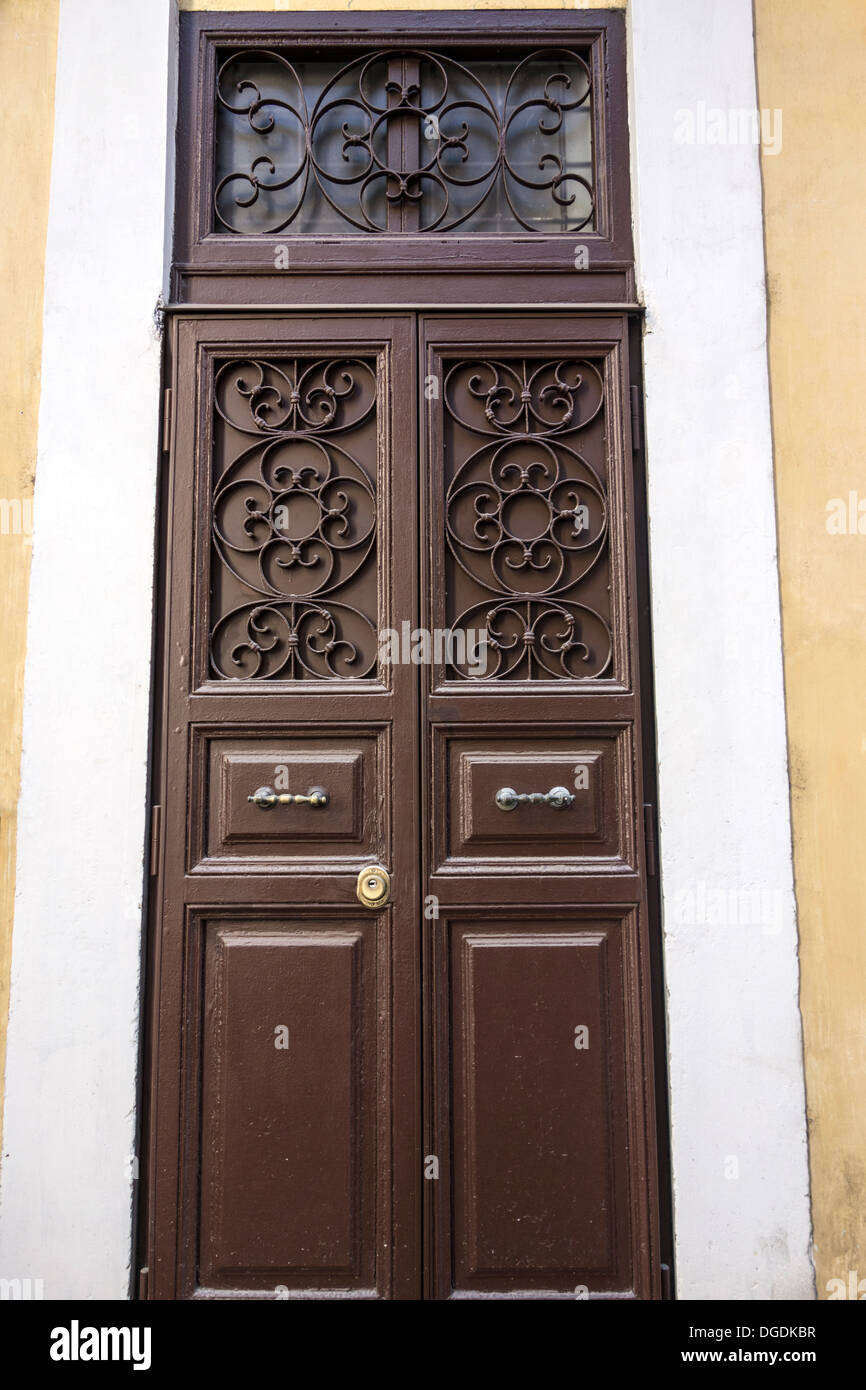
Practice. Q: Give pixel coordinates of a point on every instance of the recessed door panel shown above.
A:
(340, 777)
(289, 1078)
(538, 1104)
(513, 801)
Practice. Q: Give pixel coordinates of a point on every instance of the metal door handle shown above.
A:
(507, 799)
(266, 799)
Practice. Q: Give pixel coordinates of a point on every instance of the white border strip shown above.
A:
(738, 1114)
(736, 1069)
(67, 1173)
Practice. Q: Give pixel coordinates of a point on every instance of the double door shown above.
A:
(401, 1030)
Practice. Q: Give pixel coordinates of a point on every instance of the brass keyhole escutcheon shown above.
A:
(373, 886)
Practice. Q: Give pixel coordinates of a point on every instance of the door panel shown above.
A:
(539, 923)
(351, 763)
(288, 1144)
(476, 763)
(293, 463)
(540, 1133)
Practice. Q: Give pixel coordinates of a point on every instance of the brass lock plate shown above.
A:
(373, 886)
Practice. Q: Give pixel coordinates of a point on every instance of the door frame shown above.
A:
(428, 1221)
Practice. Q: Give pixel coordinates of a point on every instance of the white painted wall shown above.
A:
(65, 1199)
(736, 1070)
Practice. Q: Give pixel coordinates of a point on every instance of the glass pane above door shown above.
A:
(404, 141)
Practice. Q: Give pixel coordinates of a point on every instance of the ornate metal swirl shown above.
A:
(294, 641)
(553, 639)
(393, 131)
(520, 398)
(526, 517)
(293, 521)
(320, 396)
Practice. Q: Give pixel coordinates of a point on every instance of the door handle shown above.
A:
(373, 886)
(266, 799)
(507, 799)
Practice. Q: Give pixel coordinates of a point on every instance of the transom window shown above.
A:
(404, 140)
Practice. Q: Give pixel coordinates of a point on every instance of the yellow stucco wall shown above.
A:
(811, 64)
(28, 41)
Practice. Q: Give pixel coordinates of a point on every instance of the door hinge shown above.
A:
(636, 432)
(166, 419)
(155, 829)
(649, 830)
(667, 1287)
(143, 1281)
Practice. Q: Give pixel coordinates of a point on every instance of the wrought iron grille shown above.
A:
(404, 141)
(526, 517)
(293, 544)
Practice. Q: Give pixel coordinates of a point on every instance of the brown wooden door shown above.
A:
(479, 1047)
(540, 1057)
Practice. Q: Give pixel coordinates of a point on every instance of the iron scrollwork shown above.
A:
(293, 521)
(526, 517)
(460, 144)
